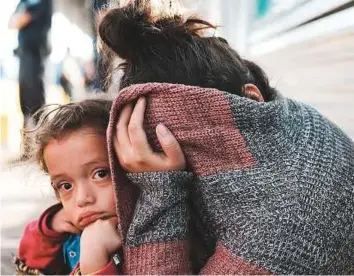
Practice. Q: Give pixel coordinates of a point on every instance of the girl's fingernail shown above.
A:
(162, 130)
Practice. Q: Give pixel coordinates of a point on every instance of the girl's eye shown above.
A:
(103, 173)
(64, 187)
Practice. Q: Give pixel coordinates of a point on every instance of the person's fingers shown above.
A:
(122, 135)
(109, 217)
(116, 145)
(114, 222)
(137, 133)
(171, 148)
(139, 111)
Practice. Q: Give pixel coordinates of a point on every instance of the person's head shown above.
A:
(70, 145)
(171, 49)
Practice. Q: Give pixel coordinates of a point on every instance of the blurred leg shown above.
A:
(31, 83)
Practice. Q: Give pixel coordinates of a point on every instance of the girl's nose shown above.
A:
(85, 196)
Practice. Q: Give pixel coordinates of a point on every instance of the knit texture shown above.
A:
(271, 189)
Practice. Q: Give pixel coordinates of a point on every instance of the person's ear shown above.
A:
(252, 92)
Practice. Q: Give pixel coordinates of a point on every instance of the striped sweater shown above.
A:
(269, 188)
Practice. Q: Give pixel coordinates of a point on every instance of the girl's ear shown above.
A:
(252, 92)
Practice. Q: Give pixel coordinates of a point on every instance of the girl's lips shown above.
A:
(87, 219)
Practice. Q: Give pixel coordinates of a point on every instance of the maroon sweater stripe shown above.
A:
(168, 258)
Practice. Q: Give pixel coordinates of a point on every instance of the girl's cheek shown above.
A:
(66, 196)
(105, 183)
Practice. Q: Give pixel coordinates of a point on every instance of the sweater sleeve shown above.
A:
(40, 247)
(158, 233)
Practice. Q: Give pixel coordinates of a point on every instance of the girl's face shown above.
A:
(79, 171)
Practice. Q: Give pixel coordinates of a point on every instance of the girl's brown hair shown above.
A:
(171, 48)
(58, 120)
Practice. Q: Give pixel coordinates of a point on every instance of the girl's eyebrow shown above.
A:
(95, 162)
(56, 176)
(101, 162)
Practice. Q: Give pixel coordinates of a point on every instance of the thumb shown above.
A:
(171, 147)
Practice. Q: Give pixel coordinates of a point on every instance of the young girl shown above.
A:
(78, 234)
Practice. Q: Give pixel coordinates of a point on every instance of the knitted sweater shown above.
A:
(270, 188)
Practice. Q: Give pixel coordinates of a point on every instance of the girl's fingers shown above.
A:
(122, 135)
(136, 131)
(133, 149)
(174, 157)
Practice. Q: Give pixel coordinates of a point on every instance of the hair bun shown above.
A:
(125, 29)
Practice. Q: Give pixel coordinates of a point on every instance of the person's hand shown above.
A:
(132, 147)
(99, 241)
(19, 20)
(60, 223)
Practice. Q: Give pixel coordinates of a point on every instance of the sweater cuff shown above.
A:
(155, 181)
(44, 222)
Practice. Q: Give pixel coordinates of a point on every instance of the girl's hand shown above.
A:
(132, 147)
(99, 241)
(61, 224)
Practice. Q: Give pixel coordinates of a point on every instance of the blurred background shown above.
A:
(305, 46)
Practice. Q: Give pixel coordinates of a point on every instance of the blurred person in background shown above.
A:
(71, 77)
(32, 18)
(89, 74)
(99, 66)
(63, 78)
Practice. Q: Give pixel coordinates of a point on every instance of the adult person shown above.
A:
(32, 19)
(269, 180)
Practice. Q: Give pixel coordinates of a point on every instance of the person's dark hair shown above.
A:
(170, 49)
(58, 120)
